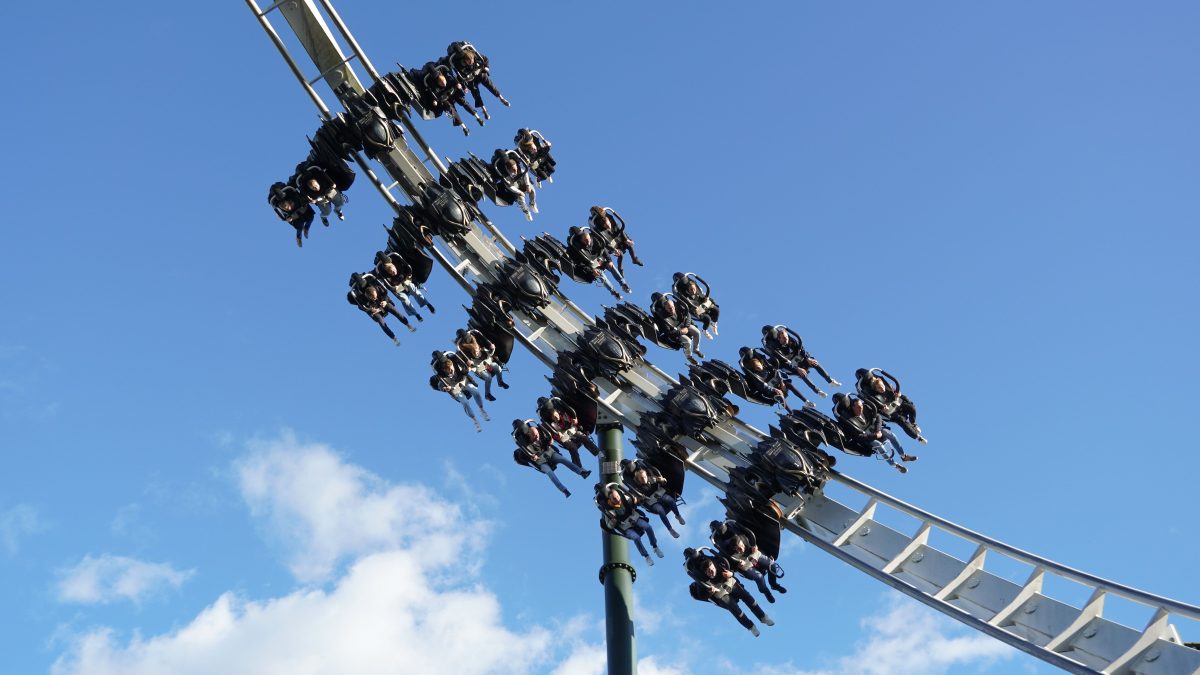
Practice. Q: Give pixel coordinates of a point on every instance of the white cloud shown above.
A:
(406, 604)
(592, 659)
(325, 511)
(384, 617)
(109, 577)
(16, 523)
(907, 638)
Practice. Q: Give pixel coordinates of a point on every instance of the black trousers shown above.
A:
(730, 603)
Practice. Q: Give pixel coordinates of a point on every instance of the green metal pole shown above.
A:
(616, 574)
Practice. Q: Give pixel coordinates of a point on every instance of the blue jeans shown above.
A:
(881, 447)
(634, 533)
(553, 461)
(464, 396)
(334, 204)
(664, 505)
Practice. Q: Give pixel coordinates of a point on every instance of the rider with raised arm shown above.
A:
(369, 295)
(785, 345)
(882, 389)
(864, 427)
(534, 450)
(713, 581)
(451, 375)
(738, 543)
(620, 515)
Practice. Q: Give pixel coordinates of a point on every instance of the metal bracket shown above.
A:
(608, 567)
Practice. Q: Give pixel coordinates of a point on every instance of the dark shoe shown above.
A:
(586, 473)
(505, 102)
(680, 519)
(340, 216)
(502, 385)
(778, 588)
(431, 308)
(908, 458)
(325, 221)
(901, 468)
(567, 493)
(489, 397)
(770, 598)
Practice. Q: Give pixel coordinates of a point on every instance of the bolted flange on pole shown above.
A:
(616, 573)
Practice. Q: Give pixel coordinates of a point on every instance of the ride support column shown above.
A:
(616, 573)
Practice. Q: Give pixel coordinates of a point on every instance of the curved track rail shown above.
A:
(1076, 639)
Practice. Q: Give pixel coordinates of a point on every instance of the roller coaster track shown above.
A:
(1023, 615)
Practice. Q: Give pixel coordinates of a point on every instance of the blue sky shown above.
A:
(214, 464)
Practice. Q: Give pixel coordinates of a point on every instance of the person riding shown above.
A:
(603, 221)
(882, 389)
(687, 287)
(472, 70)
(292, 208)
(534, 450)
(441, 92)
(369, 295)
(563, 422)
(766, 379)
(479, 353)
(535, 150)
(451, 375)
(620, 515)
(397, 275)
(649, 487)
(589, 253)
(864, 427)
(512, 181)
(738, 543)
(674, 326)
(320, 189)
(787, 347)
(713, 581)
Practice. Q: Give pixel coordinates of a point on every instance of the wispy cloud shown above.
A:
(592, 659)
(108, 578)
(16, 523)
(906, 638)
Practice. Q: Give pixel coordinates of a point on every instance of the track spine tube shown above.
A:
(616, 573)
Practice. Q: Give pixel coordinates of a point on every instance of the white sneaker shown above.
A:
(649, 560)
(834, 383)
(396, 340)
(485, 415)
(658, 552)
(767, 621)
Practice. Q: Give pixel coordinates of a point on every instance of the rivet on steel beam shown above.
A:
(864, 532)
(917, 557)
